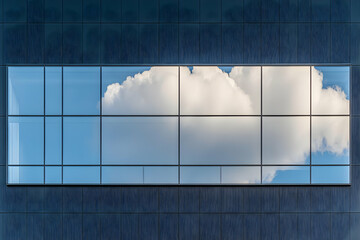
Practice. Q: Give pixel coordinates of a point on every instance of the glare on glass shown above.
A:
(26, 140)
(216, 90)
(200, 175)
(330, 140)
(81, 140)
(53, 90)
(286, 140)
(330, 174)
(286, 174)
(53, 175)
(161, 175)
(286, 90)
(26, 174)
(26, 90)
(240, 175)
(122, 175)
(220, 140)
(140, 90)
(330, 90)
(53, 140)
(81, 90)
(140, 140)
(81, 175)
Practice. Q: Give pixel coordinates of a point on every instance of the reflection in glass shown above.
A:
(286, 140)
(200, 175)
(164, 175)
(26, 90)
(330, 174)
(81, 90)
(286, 90)
(81, 140)
(130, 175)
(53, 175)
(240, 175)
(53, 140)
(26, 174)
(330, 90)
(26, 140)
(330, 140)
(220, 140)
(81, 175)
(286, 174)
(140, 90)
(53, 85)
(220, 90)
(140, 140)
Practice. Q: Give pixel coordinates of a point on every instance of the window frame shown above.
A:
(260, 184)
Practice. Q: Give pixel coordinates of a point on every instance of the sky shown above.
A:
(204, 140)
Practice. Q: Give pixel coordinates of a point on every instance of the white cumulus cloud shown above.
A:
(211, 91)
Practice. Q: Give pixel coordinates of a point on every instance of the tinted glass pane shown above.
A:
(286, 174)
(53, 90)
(140, 140)
(220, 90)
(286, 140)
(26, 140)
(131, 175)
(330, 90)
(234, 175)
(330, 140)
(199, 175)
(26, 90)
(53, 140)
(81, 175)
(286, 90)
(330, 174)
(164, 175)
(81, 140)
(26, 175)
(220, 140)
(140, 90)
(53, 175)
(81, 90)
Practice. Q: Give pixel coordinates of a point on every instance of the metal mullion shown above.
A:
(310, 153)
(44, 122)
(179, 107)
(100, 125)
(261, 124)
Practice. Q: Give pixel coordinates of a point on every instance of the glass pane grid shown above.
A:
(225, 171)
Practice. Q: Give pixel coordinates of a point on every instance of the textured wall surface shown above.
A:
(181, 32)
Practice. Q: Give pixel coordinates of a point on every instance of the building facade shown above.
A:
(181, 32)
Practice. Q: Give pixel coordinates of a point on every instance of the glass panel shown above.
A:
(330, 174)
(26, 174)
(81, 175)
(286, 90)
(140, 90)
(165, 175)
(243, 175)
(81, 140)
(53, 140)
(26, 90)
(53, 91)
(200, 175)
(81, 90)
(286, 140)
(53, 175)
(330, 90)
(330, 140)
(286, 175)
(131, 175)
(26, 140)
(220, 140)
(140, 140)
(220, 90)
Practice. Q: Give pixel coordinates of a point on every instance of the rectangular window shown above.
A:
(231, 125)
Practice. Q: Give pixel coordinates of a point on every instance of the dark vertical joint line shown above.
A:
(178, 124)
(261, 122)
(62, 125)
(101, 125)
(310, 122)
(44, 122)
